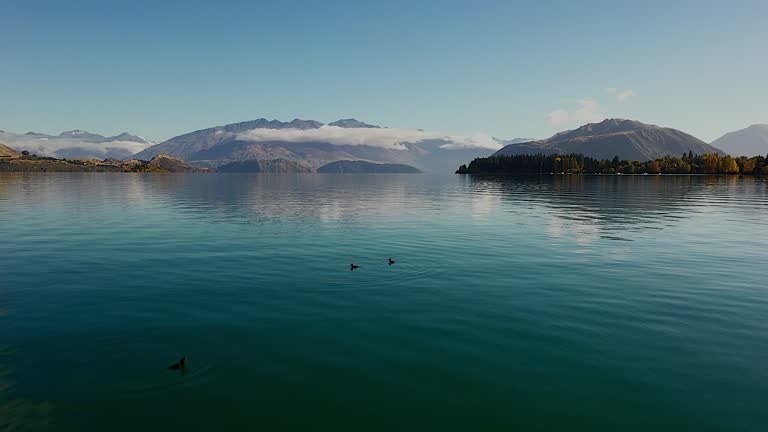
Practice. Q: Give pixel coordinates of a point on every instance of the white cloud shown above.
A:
(588, 111)
(478, 140)
(558, 118)
(620, 95)
(626, 94)
(391, 138)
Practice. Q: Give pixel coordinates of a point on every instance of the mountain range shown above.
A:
(315, 144)
(749, 141)
(627, 139)
(311, 144)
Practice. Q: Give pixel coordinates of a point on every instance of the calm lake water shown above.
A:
(552, 303)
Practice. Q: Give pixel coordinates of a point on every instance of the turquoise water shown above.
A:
(552, 303)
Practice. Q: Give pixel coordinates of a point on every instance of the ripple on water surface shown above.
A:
(539, 302)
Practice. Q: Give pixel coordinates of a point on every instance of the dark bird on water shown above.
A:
(181, 364)
(352, 267)
(391, 261)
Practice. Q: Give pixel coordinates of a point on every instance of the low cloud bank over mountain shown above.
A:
(76, 144)
(389, 138)
(315, 144)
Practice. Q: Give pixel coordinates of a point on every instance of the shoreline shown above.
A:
(608, 175)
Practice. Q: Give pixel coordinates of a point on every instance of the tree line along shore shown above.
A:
(710, 163)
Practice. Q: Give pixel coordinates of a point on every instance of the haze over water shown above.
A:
(539, 303)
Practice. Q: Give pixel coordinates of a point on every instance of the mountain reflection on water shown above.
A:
(609, 204)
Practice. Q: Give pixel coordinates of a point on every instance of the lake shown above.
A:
(534, 303)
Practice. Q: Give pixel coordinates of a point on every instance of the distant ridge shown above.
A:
(82, 135)
(363, 167)
(275, 166)
(750, 141)
(86, 136)
(627, 139)
(158, 164)
(351, 123)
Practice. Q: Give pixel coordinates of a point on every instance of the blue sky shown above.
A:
(505, 68)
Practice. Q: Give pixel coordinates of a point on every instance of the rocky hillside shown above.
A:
(158, 164)
(627, 139)
(165, 163)
(7, 152)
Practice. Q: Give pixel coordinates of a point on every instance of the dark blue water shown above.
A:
(552, 303)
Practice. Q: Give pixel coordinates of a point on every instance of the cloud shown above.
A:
(65, 147)
(390, 138)
(558, 118)
(478, 140)
(620, 95)
(626, 94)
(588, 111)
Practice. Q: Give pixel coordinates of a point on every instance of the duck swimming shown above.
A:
(352, 267)
(181, 364)
(391, 261)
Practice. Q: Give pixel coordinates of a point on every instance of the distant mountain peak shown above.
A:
(125, 136)
(304, 124)
(262, 123)
(750, 141)
(610, 125)
(81, 134)
(352, 123)
(73, 132)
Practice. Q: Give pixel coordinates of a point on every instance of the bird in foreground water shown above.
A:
(181, 364)
(352, 267)
(391, 261)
